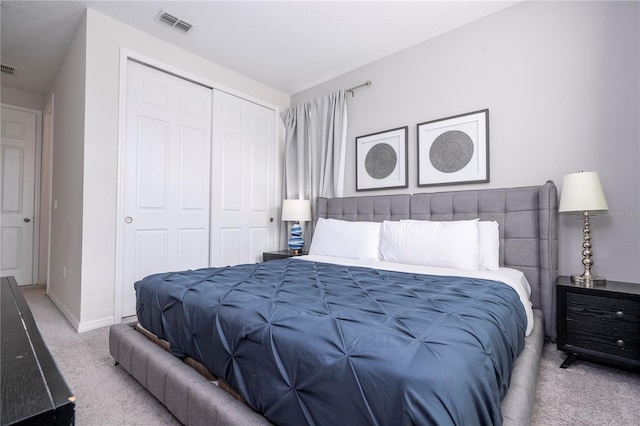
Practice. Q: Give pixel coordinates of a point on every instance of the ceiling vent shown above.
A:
(175, 22)
(7, 69)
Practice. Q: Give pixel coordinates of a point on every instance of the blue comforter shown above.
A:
(317, 343)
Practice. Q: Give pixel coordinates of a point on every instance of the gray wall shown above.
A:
(561, 81)
(23, 98)
(66, 183)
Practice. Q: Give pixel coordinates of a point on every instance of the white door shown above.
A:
(166, 188)
(244, 179)
(18, 162)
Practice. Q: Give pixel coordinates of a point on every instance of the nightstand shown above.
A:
(280, 254)
(600, 323)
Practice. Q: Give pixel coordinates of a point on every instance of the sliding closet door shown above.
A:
(244, 180)
(167, 169)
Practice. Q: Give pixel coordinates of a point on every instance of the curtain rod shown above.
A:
(352, 90)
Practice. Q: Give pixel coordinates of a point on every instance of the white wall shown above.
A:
(105, 38)
(23, 98)
(67, 169)
(561, 82)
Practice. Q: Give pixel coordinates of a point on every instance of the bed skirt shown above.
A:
(194, 399)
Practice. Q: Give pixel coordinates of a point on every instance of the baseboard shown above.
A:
(75, 322)
(80, 327)
(92, 325)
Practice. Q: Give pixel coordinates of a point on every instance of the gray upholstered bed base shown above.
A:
(195, 401)
(528, 236)
(191, 398)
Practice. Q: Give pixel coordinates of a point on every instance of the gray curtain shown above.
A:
(315, 147)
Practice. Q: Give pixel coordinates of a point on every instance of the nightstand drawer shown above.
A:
(620, 342)
(602, 308)
(599, 323)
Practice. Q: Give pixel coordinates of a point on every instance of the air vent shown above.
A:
(183, 26)
(175, 22)
(168, 18)
(7, 69)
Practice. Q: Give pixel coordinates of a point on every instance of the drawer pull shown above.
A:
(619, 314)
(620, 343)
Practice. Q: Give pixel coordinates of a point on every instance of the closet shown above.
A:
(197, 178)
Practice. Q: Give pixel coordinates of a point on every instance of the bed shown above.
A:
(354, 378)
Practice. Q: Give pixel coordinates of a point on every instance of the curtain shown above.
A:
(315, 150)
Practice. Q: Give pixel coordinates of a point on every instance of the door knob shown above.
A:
(128, 219)
(27, 220)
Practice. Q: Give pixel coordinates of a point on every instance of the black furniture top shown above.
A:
(599, 323)
(33, 390)
(279, 254)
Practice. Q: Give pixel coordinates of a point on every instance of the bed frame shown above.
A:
(527, 220)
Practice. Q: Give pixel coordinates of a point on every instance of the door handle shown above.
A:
(27, 220)
(128, 219)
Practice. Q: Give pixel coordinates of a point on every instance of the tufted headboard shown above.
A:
(527, 219)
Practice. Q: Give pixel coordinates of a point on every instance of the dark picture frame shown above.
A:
(381, 160)
(454, 150)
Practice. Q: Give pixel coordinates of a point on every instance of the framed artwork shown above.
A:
(454, 150)
(381, 160)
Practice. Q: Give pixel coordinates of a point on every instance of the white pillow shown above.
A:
(341, 238)
(488, 243)
(452, 244)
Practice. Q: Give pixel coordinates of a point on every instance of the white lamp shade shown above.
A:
(582, 192)
(296, 210)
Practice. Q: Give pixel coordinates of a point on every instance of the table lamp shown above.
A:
(296, 211)
(582, 192)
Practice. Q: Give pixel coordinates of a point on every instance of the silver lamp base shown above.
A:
(588, 280)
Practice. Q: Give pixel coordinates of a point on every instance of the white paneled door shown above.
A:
(17, 211)
(244, 180)
(166, 180)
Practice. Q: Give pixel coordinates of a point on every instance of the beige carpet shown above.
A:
(106, 394)
(584, 394)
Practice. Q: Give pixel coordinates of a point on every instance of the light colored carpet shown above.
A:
(584, 394)
(105, 394)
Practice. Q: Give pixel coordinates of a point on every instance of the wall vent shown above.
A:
(175, 22)
(7, 69)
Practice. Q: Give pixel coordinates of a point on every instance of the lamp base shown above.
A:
(588, 280)
(295, 252)
(296, 243)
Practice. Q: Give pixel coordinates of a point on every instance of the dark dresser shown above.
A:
(600, 323)
(33, 390)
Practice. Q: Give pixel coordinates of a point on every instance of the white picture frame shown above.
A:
(381, 160)
(454, 150)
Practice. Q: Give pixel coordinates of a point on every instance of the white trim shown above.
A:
(125, 55)
(35, 255)
(92, 325)
(49, 111)
(117, 301)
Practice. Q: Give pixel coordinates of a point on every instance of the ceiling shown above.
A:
(287, 45)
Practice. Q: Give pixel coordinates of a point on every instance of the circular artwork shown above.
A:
(451, 151)
(380, 161)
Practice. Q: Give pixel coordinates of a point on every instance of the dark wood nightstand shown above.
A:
(600, 323)
(280, 254)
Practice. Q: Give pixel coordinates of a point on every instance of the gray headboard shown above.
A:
(527, 219)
